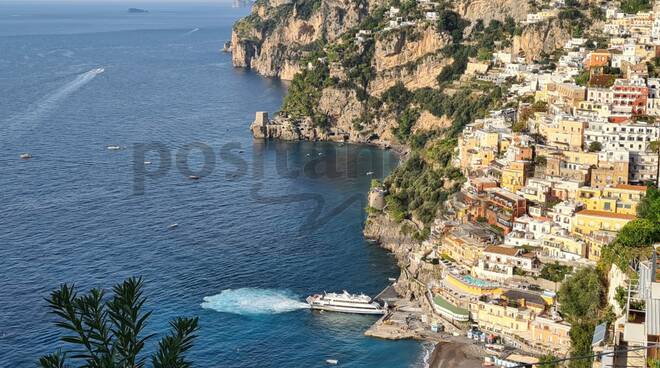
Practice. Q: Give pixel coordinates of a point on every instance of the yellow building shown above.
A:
(610, 173)
(501, 316)
(563, 247)
(589, 222)
(620, 199)
(567, 134)
(581, 157)
(478, 149)
(514, 175)
(551, 333)
(462, 248)
(470, 286)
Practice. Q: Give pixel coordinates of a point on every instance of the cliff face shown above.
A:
(488, 10)
(540, 37)
(278, 33)
(411, 56)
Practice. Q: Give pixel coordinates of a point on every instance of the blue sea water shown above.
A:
(265, 226)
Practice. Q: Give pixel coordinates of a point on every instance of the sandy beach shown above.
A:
(455, 354)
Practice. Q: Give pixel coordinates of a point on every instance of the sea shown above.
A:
(234, 230)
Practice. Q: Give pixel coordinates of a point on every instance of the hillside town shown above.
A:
(551, 179)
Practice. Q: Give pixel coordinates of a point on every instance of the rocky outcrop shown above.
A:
(276, 36)
(488, 10)
(429, 122)
(420, 73)
(540, 37)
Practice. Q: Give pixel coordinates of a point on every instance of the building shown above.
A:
(552, 332)
(501, 263)
(465, 243)
(641, 319)
(562, 246)
(590, 223)
(515, 174)
(597, 59)
(620, 199)
(503, 207)
(630, 97)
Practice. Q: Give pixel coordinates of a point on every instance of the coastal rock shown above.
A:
(540, 37)
(342, 108)
(273, 38)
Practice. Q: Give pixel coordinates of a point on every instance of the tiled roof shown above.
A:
(606, 214)
(641, 188)
(501, 250)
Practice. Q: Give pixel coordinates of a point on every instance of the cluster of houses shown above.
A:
(549, 184)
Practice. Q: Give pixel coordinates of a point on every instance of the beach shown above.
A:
(455, 354)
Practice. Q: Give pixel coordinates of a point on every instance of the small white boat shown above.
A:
(173, 226)
(98, 70)
(113, 148)
(147, 162)
(25, 156)
(345, 303)
(194, 177)
(369, 173)
(391, 279)
(332, 361)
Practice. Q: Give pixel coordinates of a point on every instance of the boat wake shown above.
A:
(191, 32)
(254, 301)
(28, 120)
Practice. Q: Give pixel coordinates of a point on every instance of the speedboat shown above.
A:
(113, 148)
(369, 173)
(194, 177)
(98, 70)
(332, 361)
(26, 156)
(173, 226)
(345, 303)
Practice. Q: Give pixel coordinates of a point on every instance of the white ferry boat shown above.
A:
(345, 303)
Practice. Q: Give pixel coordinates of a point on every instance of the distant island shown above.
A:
(137, 10)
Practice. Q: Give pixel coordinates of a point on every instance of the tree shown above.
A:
(107, 332)
(581, 296)
(635, 6)
(595, 147)
(649, 206)
(547, 361)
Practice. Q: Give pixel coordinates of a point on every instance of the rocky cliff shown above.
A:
(279, 33)
(488, 10)
(540, 37)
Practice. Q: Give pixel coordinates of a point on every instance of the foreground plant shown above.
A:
(107, 332)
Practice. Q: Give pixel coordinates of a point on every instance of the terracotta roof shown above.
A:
(641, 188)
(501, 250)
(606, 214)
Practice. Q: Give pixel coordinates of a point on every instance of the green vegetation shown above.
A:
(555, 272)
(108, 331)
(305, 92)
(582, 303)
(635, 240)
(595, 147)
(635, 6)
(582, 79)
(546, 361)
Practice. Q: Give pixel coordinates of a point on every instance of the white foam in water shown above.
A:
(31, 118)
(250, 301)
(191, 32)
